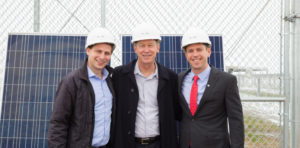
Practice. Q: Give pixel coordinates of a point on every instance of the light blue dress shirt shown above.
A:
(103, 106)
(147, 114)
(201, 82)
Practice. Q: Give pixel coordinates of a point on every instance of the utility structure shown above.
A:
(292, 69)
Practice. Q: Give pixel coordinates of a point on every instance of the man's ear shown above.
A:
(87, 50)
(209, 51)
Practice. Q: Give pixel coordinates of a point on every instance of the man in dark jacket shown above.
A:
(146, 96)
(84, 99)
(209, 99)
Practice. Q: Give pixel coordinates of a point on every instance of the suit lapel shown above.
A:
(161, 84)
(182, 99)
(211, 83)
(162, 80)
(134, 92)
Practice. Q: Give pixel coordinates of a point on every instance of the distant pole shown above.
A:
(296, 67)
(103, 6)
(36, 23)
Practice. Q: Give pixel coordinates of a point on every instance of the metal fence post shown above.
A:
(296, 67)
(286, 74)
(281, 134)
(36, 23)
(103, 6)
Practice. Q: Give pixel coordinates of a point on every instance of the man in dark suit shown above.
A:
(212, 114)
(146, 95)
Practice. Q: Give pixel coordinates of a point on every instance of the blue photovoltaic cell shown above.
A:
(171, 55)
(35, 64)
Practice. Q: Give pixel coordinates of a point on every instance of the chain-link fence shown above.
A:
(263, 127)
(250, 30)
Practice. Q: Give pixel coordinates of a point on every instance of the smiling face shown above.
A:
(146, 51)
(98, 56)
(196, 55)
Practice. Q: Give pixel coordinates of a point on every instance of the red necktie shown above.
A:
(193, 97)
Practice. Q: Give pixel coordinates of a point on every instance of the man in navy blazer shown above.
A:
(212, 114)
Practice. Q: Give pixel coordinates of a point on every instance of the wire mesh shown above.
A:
(263, 127)
(250, 31)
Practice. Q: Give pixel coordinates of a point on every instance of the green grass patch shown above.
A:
(260, 132)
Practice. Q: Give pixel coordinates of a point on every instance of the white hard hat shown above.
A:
(145, 31)
(100, 35)
(194, 35)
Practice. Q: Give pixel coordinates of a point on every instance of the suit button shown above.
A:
(132, 90)
(129, 112)
(129, 133)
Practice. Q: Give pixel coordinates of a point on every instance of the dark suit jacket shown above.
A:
(208, 128)
(127, 100)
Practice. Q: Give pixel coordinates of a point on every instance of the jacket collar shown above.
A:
(213, 77)
(162, 72)
(83, 74)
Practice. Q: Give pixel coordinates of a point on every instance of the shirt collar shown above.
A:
(104, 72)
(138, 72)
(203, 75)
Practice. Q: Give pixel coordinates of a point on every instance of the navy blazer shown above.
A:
(220, 103)
(127, 97)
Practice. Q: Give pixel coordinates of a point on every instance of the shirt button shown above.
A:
(129, 112)
(129, 133)
(132, 90)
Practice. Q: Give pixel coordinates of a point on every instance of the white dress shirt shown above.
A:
(147, 116)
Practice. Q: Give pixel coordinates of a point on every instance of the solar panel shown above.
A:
(171, 55)
(35, 64)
